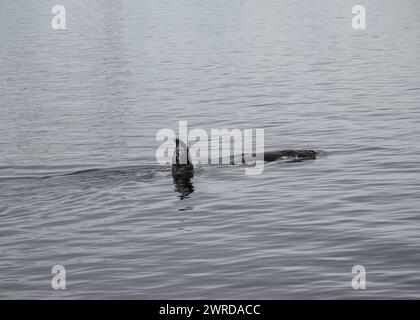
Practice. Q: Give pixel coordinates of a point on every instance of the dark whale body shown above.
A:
(183, 169)
(271, 156)
(185, 165)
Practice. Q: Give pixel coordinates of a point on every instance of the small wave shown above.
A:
(145, 172)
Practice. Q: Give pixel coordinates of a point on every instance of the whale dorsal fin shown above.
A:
(181, 159)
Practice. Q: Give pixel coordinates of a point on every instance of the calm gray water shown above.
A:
(95, 95)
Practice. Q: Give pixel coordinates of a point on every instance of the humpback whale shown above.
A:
(182, 164)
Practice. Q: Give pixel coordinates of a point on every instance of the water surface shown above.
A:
(95, 95)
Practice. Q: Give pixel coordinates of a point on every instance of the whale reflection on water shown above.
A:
(183, 184)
